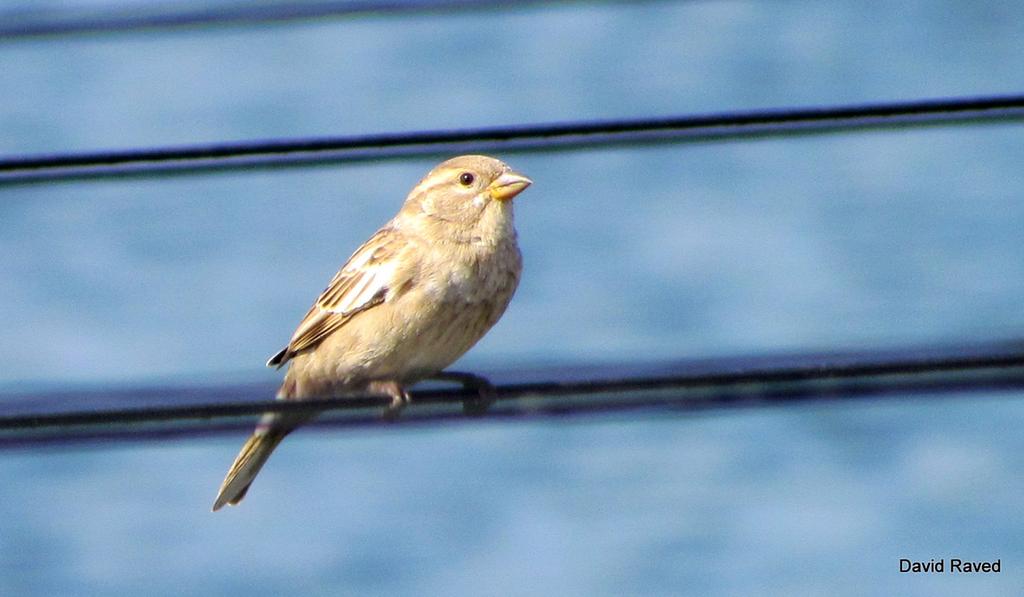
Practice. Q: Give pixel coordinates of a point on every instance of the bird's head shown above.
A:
(469, 193)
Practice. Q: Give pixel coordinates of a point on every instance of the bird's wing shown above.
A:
(362, 283)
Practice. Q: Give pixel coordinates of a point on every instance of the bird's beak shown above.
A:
(508, 185)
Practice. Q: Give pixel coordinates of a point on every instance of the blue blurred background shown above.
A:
(825, 243)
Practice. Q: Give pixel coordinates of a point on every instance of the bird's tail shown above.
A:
(247, 465)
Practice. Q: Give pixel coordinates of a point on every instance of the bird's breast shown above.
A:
(478, 274)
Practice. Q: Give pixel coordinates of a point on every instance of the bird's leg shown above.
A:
(485, 390)
(399, 397)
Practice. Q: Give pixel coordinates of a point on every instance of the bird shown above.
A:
(407, 304)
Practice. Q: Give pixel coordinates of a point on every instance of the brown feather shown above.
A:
(342, 299)
(247, 465)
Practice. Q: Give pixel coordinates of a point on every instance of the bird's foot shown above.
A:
(485, 390)
(399, 398)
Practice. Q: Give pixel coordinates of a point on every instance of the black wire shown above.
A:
(523, 138)
(23, 24)
(724, 399)
(581, 393)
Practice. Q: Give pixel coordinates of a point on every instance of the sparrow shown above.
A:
(409, 302)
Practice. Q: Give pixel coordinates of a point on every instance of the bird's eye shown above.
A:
(466, 178)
